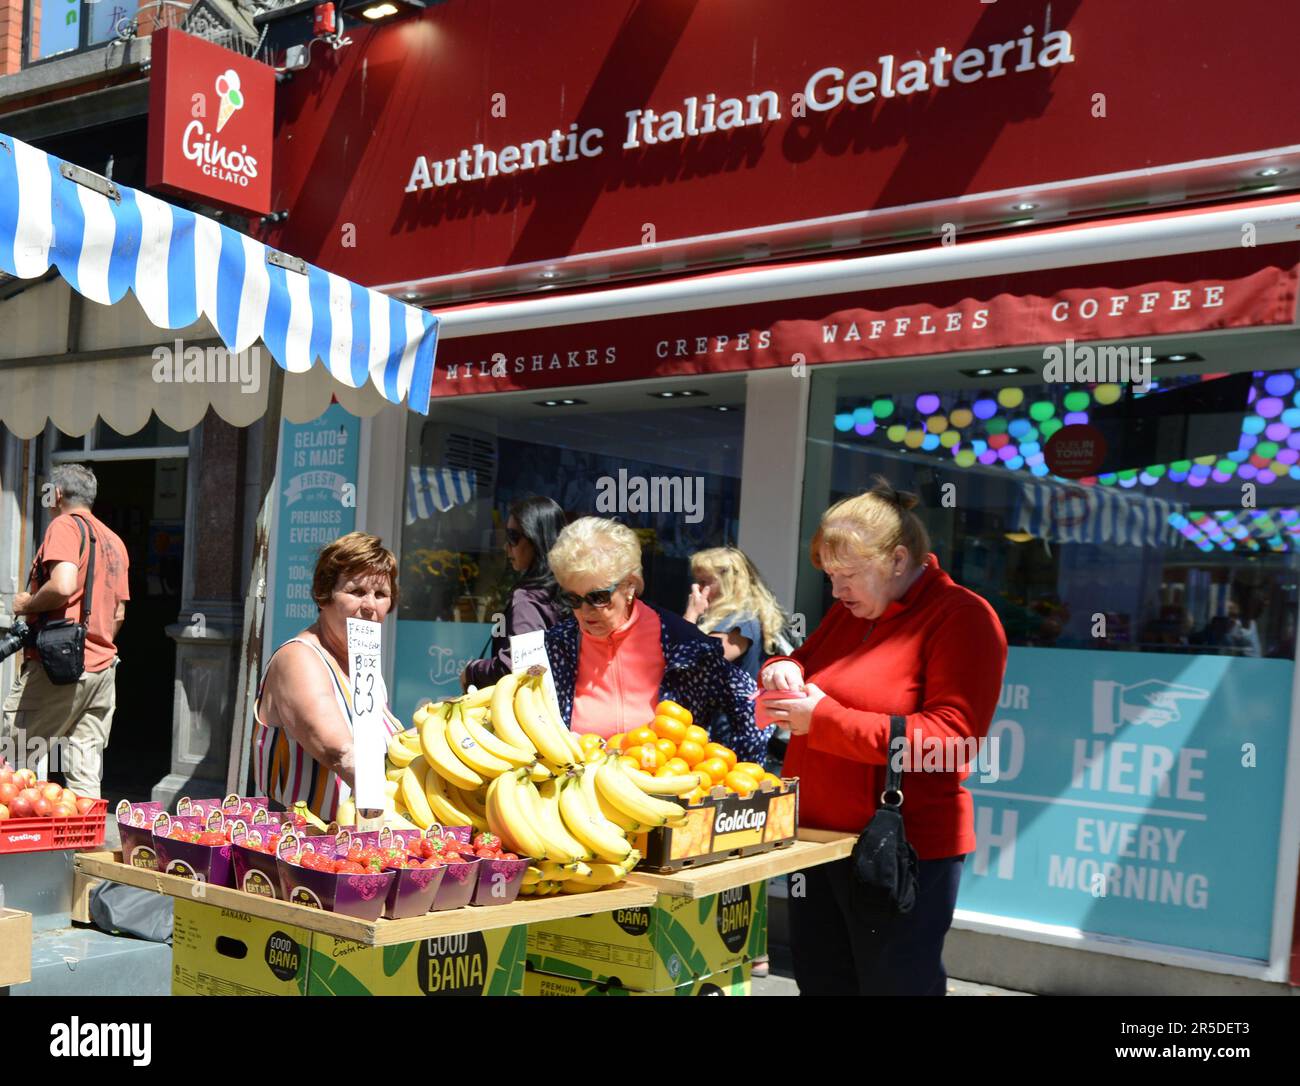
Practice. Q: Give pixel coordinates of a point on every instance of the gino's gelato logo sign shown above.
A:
(212, 157)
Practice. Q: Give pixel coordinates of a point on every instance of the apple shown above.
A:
(64, 810)
(4, 812)
(51, 791)
(42, 808)
(85, 803)
(7, 791)
(6, 775)
(21, 807)
(25, 778)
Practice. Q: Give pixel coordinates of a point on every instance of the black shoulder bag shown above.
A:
(883, 863)
(61, 644)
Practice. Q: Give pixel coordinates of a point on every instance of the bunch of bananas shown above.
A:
(500, 759)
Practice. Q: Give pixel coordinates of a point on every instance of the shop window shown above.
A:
(464, 469)
(59, 27)
(1184, 541)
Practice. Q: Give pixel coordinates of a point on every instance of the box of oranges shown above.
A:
(734, 809)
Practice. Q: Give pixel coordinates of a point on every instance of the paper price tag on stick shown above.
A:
(368, 743)
(527, 649)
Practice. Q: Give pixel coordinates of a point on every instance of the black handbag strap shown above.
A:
(892, 796)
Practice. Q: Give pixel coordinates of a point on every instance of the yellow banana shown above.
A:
(479, 697)
(397, 821)
(559, 872)
(475, 756)
(390, 788)
(531, 877)
(300, 807)
(617, 787)
(347, 812)
(495, 745)
(680, 785)
(399, 754)
(411, 790)
(536, 679)
(473, 801)
(410, 738)
(394, 773)
(504, 723)
(588, 784)
(589, 826)
(606, 874)
(560, 845)
(537, 772)
(438, 753)
(510, 819)
(548, 739)
(445, 809)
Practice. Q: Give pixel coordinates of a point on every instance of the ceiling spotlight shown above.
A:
(1024, 207)
(674, 394)
(1270, 171)
(548, 274)
(1010, 369)
(558, 403)
(984, 372)
(376, 11)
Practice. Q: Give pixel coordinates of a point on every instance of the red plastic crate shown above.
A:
(44, 834)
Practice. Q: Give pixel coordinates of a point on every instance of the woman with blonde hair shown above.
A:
(618, 657)
(902, 640)
(304, 715)
(729, 601)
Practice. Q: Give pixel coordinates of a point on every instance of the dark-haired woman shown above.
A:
(532, 526)
(902, 639)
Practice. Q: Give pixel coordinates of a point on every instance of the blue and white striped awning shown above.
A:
(1063, 513)
(430, 490)
(105, 239)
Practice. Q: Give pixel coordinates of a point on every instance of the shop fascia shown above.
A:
(827, 89)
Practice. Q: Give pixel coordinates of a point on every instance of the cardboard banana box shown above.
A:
(730, 982)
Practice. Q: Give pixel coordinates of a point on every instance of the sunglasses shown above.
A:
(514, 538)
(601, 598)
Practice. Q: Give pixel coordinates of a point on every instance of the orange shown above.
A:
(690, 752)
(692, 798)
(677, 766)
(667, 727)
(668, 747)
(706, 782)
(589, 739)
(753, 769)
(637, 736)
(741, 783)
(776, 781)
(671, 708)
(630, 762)
(647, 758)
(696, 734)
(716, 768)
(717, 750)
(615, 742)
(669, 769)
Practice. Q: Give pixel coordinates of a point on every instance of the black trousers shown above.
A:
(838, 951)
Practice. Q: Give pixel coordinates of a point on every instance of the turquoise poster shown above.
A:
(1136, 795)
(430, 658)
(317, 503)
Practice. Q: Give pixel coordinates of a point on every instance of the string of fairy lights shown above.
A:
(1008, 429)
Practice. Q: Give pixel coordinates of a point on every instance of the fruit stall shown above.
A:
(514, 857)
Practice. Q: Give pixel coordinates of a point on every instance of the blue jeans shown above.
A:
(840, 951)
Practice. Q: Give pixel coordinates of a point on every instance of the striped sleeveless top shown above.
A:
(283, 768)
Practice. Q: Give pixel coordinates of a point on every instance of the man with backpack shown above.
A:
(75, 605)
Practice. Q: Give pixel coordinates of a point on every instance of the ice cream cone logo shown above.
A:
(230, 96)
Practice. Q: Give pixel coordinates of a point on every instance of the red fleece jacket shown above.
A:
(936, 656)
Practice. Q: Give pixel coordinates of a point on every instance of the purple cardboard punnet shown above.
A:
(203, 863)
(499, 881)
(413, 891)
(135, 827)
(363, 896)
(256, 872)
(458, 884)
(463, 834)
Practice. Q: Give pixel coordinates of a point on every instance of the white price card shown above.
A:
(368, 738)
(527, 649)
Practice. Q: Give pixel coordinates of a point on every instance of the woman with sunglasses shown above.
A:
(532, 526)
(618, 657)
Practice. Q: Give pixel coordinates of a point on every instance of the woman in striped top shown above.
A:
(302, 738)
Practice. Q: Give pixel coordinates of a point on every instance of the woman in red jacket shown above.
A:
(902, 639)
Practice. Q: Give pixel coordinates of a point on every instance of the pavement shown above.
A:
(780, 981)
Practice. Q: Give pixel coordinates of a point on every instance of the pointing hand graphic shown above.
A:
(1153, 702)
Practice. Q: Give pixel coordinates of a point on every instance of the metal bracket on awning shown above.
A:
(92, 181)
(284, 260)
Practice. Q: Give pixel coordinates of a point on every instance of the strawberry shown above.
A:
(489, 841)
